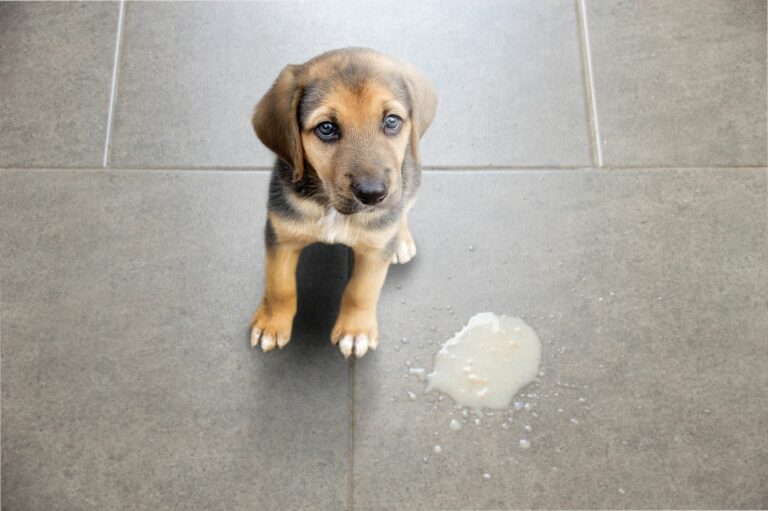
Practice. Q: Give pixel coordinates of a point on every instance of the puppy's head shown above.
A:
(353, 115)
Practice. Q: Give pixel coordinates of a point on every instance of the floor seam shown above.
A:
(351, 436)
(113, 89)
(589, 84)
(427, 168)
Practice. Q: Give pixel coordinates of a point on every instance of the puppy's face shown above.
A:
(355, 134)
(353, 115)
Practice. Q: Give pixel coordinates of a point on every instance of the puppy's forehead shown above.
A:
(343, 83)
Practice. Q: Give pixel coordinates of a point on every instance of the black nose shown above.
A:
(369, 192)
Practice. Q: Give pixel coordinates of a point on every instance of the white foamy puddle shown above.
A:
(487, 362)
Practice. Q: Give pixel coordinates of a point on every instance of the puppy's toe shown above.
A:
(282, 340)
(271, 330)
(406, 250)
(268, 342)
(345, 345)
(357, 344)
(255, 336)
(355, 332)
(361, 345)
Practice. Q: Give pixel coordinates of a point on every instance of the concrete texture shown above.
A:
(648, 290)
(126, 376)
(128, 381)
(192, 73)
(680, 83)
(55, 78)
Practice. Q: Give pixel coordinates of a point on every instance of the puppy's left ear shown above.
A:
(423, 105)
(276, 123)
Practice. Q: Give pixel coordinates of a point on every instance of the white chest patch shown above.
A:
(334, 227)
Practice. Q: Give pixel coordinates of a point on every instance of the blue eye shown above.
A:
(327, 131)
(392, 124)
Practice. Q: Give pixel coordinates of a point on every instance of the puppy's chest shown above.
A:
(333, 227)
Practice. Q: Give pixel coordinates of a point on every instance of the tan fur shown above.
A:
(357, 315)
(274, 318)
(363, 150)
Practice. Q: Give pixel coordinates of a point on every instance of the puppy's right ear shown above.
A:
(276, 123)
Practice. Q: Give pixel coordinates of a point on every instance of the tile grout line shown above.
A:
(113, 90)
(351, 435)
(1, 379)
(589, 83)
(427, 168)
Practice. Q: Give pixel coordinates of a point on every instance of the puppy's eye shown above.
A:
(392, 124)
(327, 131)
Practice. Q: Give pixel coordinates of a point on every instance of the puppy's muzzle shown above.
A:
(370, 191)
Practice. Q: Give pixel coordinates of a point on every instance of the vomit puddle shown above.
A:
(487, 362)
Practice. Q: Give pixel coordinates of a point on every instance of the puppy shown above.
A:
(345, 127)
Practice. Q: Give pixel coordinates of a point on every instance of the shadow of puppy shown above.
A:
(321, 277)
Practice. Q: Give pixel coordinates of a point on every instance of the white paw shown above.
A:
(358, 344)
(268, 342)
(404, 252)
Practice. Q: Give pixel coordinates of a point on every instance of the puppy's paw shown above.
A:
(271, 330)
(405, 249)
(355, 332)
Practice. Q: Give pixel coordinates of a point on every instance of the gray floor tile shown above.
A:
(680, 83)
(649, 292)
(511, 93)
(127, 377)
(55, 81)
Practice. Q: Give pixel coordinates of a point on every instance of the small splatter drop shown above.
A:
(437, 449)
(528, 428)
(622, 491)
(487, 476)
(418, 372)
(525, 443)
(411, 396)
(471, 248)
(455, 425)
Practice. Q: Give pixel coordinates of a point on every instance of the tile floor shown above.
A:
(606, 161)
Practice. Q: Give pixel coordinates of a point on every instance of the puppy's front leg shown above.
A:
(273, 320)
(356, 327)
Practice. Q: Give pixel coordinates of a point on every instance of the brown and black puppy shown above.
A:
(345, 127)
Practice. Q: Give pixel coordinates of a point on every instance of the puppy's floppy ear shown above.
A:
(423, 104)
(276, 123)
